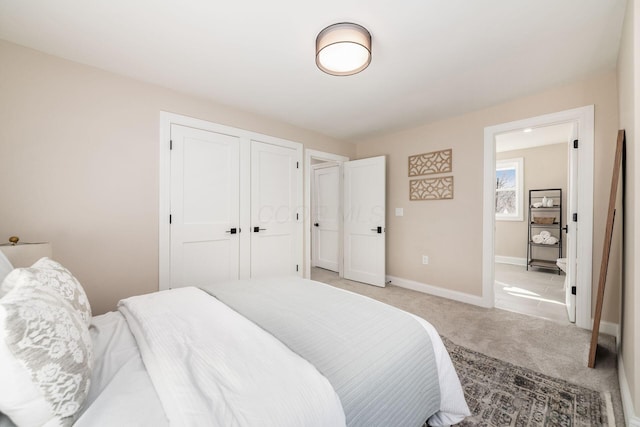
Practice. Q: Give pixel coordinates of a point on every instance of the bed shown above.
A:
(269, 352)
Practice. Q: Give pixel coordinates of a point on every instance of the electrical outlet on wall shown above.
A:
(425, 259)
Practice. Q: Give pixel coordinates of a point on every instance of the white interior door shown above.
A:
(364, 220)
(325, 216)
(572, 227)
(205, 207)
(274, 204)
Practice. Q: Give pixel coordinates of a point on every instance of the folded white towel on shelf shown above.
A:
(545, 234)
(537, 239)
(550, 240)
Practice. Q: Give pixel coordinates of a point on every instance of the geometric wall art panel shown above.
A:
(431, 188)
(430, 163)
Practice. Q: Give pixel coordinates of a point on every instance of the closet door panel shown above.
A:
(204, 207)
(270, 256)
(273, 210)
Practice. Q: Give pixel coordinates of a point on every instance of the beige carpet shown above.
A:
(547, 347)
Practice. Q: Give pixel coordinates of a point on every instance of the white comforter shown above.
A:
(123, 393)
(211, 366)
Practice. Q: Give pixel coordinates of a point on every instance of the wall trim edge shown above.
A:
(630, 416)
(437, 291)
(511, 260)
(609, 328)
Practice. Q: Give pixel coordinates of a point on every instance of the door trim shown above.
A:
(164, 178)
(314, 168)
(584, 116)
(328, 157)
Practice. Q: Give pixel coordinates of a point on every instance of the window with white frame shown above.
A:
(509, 188)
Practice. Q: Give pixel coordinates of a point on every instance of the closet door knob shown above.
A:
(316, 225)
(258, 229)
(232, 231)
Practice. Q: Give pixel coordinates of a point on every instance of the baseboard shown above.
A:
(627, 403)
(437, 291)
(510, 260)
(609, 328)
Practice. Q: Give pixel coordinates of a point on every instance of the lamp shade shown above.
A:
(343, 49)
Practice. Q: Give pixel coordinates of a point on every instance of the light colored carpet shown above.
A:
(547, 347)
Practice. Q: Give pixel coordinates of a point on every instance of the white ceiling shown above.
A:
(431, 58)
(534, 137)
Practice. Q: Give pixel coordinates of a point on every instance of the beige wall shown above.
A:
(80, 157)
(544, 167)
(450, 231)
(79, 154)
(629, 93)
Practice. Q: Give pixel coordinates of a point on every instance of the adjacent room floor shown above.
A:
(549, 347)
(535, 292)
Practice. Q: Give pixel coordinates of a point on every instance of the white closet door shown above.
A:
(325, 219)
(204, 207)
(572, 227)
(364, 220)
(274, 204)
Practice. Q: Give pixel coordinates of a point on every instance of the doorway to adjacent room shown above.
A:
(532, 186)
(577, 202)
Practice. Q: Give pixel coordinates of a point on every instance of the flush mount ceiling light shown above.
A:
(343, 49)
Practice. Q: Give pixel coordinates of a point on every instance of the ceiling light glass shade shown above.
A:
(343, 49)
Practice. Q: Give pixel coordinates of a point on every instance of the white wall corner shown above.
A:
(631, 418)
(438, 291)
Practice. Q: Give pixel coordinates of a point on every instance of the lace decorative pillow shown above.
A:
(52, 274)
(45, 355)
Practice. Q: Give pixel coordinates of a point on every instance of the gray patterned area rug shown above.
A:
(501, 394)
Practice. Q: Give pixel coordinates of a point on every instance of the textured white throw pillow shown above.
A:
(45, 355)
(52, 274)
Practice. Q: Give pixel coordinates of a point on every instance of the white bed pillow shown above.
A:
(5, 267)
(52, 274)
(45, 355)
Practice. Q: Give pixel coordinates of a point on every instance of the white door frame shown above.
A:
(314, 168)
(245, 136)
(584, 116)
(571, 241)
(327, 157)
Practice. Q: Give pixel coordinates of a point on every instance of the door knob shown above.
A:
(232, 231)
(258, 229)
(378, 230)
(316, 225)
